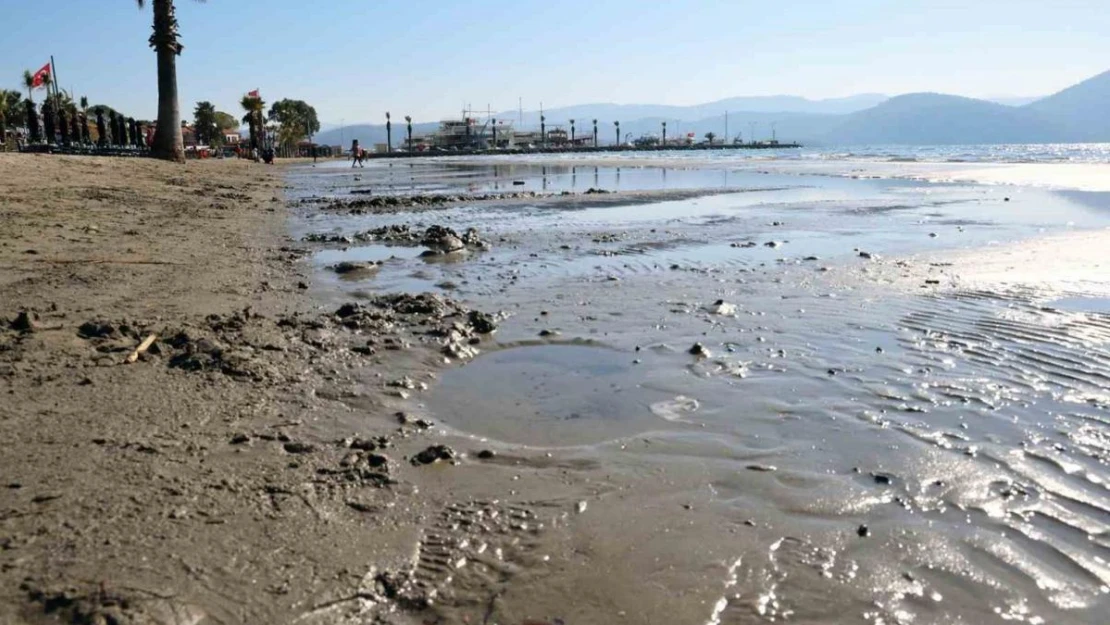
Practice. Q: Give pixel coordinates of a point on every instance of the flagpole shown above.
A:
(54, 80)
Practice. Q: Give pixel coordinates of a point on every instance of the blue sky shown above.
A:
(356, 59)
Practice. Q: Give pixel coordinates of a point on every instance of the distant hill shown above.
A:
(1078, 113)
(740, 105)
(369, 134)
(933, 118)
(1084, 109)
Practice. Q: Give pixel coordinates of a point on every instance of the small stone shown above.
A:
(699, 350)
(547, 333)
(25, 321)
(580, 507)
(299, 448)
(862, 531)
(239, 439)
(765, 468)
(486, 454)
(433, 454)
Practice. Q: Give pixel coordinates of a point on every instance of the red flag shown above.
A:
(40, 76)
(253, 94)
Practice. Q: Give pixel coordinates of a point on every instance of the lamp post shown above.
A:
(388, 133)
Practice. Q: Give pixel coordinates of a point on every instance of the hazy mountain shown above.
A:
(1074, 114)
(1013, 100)
(369, 134)
(760, 104)
(933, 118)
(1082, 108)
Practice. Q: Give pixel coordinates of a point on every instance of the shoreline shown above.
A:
(284, 463)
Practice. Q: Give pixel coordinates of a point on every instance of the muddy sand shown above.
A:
(708, 397)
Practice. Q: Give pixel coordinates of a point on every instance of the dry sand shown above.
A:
(249, 467)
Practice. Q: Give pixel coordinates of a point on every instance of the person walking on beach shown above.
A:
(356, 154)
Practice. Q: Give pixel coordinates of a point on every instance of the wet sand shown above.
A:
(899, 417)
(897, 413)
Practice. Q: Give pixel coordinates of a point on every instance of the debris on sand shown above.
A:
(434, 454)
(25, 321)
(409, 203)
(745, 244)
(868, 255)
(723, 308)
(443, 240)
(700, 351)
(349, 267)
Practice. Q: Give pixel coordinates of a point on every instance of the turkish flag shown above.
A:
(40, 76)
(252, 94)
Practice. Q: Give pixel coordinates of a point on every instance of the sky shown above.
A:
(356, 59)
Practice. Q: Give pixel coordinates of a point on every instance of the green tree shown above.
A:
(29, 83)
(9, 108)
(205, 124)
(297, 118)
(226, 121)
(168, 143)
(253, 106)
(710, 136)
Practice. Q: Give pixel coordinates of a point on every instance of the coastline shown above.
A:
(272, 480)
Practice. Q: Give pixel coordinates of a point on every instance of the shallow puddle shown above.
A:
(549, 395)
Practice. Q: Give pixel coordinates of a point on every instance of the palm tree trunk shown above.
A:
(168, 143)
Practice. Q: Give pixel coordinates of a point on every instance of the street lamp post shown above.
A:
(388, 133)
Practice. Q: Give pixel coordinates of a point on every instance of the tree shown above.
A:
(297, 119)
(618, 127)
(388, 133)
(168, 143)
(29, 82)
(253, 118)
(226, 121)
(9, 109)
(205, 124)
(572, 132)
(595, 133)
(710, 136)
(408, 123)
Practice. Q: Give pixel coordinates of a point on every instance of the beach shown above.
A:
(677, 391)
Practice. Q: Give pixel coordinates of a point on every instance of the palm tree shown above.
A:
(543, 134)
(710, 136)
(168, 143)
(664, 134)
(29, 82)
(254, 107)
(572, 132)
(595, 133)
(408, 123)
(618, 126)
